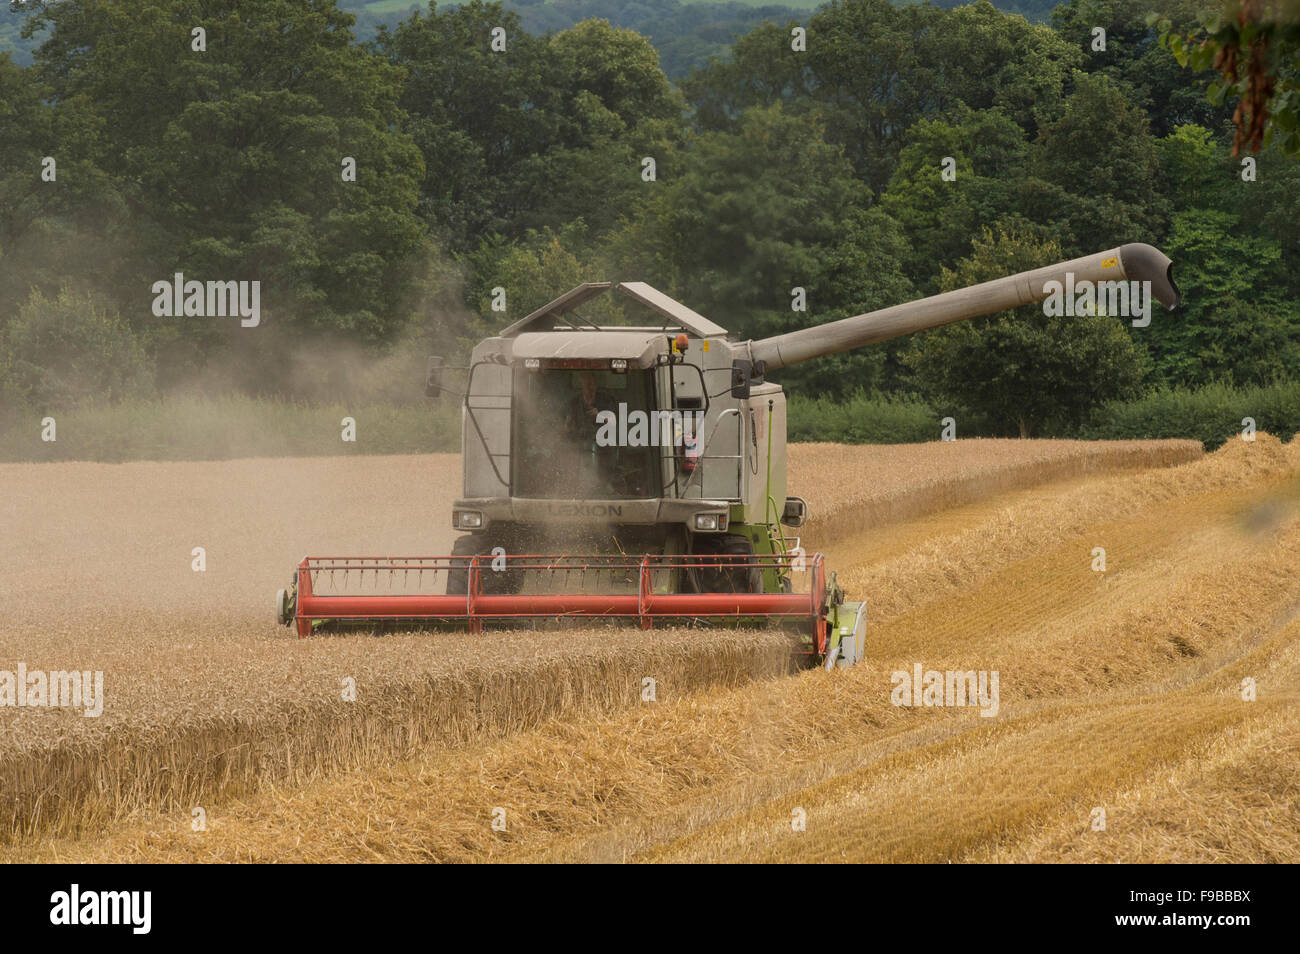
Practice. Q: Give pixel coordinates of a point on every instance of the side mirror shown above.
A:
(795, 513)
(433, 377)
(745, 374)
(740, 379)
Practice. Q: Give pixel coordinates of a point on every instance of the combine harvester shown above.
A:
(639, 473)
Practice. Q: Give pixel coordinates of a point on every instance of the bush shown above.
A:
(862, 419)
(55, 354)
(1211, 414)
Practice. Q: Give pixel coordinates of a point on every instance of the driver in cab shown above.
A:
(585, 406)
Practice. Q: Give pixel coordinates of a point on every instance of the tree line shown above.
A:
(865, 154)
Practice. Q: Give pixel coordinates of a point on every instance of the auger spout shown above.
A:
(1135, 262)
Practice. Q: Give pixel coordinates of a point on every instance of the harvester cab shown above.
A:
(621, 440)
(639, 472)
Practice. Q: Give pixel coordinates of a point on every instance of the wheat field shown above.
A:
(1111, 682)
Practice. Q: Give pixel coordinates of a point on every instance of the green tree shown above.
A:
(941, 215)
(476, 114)
(746, 219)
(1196, 171)
(57, 352)
(60, 215)
(861, 272)
(233, 157)
(1236, 325)
(1101, 170)
(551, 129)
(873, 69)
(533, 270)
(1270, 209)
(1134, 56)
(25, 124)
(1254, 46)
(615, 108)
(1021, 371)
(752, 215)
(619, 67)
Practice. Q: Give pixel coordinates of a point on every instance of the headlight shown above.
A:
(706, 521)
(466, 519)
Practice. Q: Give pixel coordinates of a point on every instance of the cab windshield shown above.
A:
(564, 447)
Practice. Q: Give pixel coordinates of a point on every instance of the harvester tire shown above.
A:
(458, 575)
(742, 575)
(283, 609)
(470, 545)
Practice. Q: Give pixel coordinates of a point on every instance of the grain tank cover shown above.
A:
(686, 318)
(551, 317)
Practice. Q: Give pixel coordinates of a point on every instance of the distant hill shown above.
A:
(11, 41)
(685, 32)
